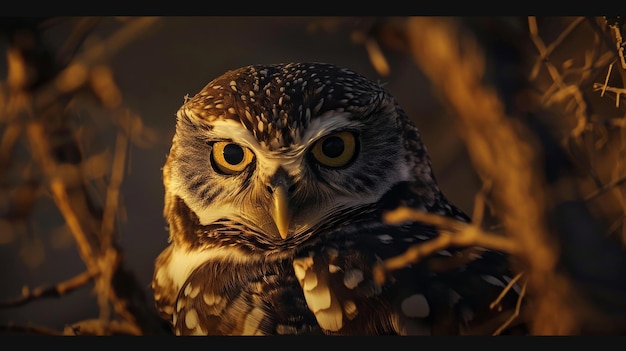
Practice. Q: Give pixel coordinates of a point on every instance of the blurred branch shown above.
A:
(502, 153)
(29, 329)
(605, 188)
(75, 74)
(55, 150)
(58, 290)
(81, 32)
(546, 51)
(100, 327)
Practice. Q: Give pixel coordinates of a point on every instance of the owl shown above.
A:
(276, 184)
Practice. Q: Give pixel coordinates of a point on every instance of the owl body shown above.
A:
(275, 187)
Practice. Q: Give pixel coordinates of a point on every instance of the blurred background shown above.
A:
(159, 61)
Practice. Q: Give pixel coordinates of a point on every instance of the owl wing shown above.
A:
(446, 293)
(223, 296)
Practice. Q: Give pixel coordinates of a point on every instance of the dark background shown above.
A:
(176, 57)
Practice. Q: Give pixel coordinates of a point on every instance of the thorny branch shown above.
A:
(508, 157)
(562, 89)
(619, 43)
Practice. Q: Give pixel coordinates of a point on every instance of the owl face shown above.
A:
(281, 150)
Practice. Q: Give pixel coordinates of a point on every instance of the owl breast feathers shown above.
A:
(275, 187)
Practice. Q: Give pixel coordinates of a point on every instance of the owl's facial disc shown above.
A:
(249, 130)
(281, 193)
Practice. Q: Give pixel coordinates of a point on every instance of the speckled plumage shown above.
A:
(277, 231)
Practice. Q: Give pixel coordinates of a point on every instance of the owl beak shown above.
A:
(281, 213)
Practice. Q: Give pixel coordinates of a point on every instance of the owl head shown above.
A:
(281, 150)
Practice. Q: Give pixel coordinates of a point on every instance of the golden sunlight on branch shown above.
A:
(503, 153)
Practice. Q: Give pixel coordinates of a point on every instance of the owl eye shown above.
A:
(335, 150)
(231, 158)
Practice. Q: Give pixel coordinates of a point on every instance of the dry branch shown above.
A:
(43, 111)
(503, 153)
(28, 329)
(58, 290)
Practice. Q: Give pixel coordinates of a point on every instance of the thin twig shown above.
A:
(29, 329)
(113, 190)
(41, 153)
(57, 290)
(619, 44)
(452, 232)
(544, 51)
(79, 34)
(563, 90)
(377, 57)
(606, 80)
(618, 91)
(462, 233)
(606, 187)
(100, 327)
(518, 307)
(78, 68)
(506, 289)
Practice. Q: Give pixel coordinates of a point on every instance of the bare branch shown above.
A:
(99, 327)
(516, 313)
(457, 232)
(545, 52)
(29, 329)
(605, 188)
(57, 290)
(503, 152)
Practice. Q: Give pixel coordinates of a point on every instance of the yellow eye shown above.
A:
(231, 158)
(335, 150)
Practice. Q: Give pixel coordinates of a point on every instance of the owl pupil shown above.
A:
(333, 147)
(233, 154)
